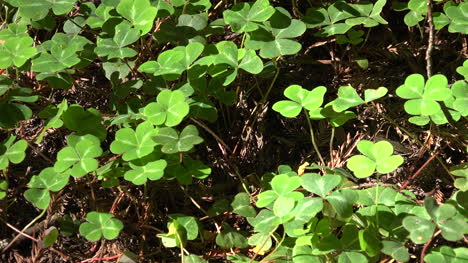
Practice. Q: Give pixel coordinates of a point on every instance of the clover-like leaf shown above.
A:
(176, 236)
(342, 202)
(369, 14)
(241, 205)
(38, 9)
(99, 225)
(141, 173)
(173, 142)
(378, 157)
(265, 221)
(55, 121)
(134, 144)
(12, 152)
(454, 229)
(423, 98)
(274, 39)
(47, 180)
(458, 16)
(347, 98)
(299, 98)
(371, 94)
(39, 197)
(140, 12)
(188, 170)
(460, 92)
(170, 108)
(169, 65)
(79, 155)
(229, 238)
(282, 194)
(16, 51)
(396, 250)
(245, 17)
(117, 46)
(420, 229)
(321, 185)
(83, 121)
(462, 70)
(238, 58)
(13, 31)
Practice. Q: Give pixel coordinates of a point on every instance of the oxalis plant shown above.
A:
(171, 77)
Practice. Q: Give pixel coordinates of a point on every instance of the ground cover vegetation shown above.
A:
(231, 131)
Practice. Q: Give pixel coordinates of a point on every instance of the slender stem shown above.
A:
(183, 12)
(263, 244)
(430, 39)
(276, 247)
(312, 137)
(194, 201)
(332, 137)
(264, 99)
(377, 201)
(243, 40)
(24, 229)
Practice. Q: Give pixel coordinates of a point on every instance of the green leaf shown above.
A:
(49, 179)
(173, 142)
(265, 221)
(194, 259)
(283, 205)
(306, 209)
(347, 98)
(14, 31)
(134, 143)
(396, 250)
(241, 205)
(100, 224)
(447, 254)
(274, 39)
(55, 121)
(16, 51)
(321, 185)
(369, 242)
(228, 238)
(170, 108)
(39, 197)
(117, 46)
(460, 92)
(300, 98)
(423, 98)
(262, 241)
(50, 236)
(13, 113)
(462, 70)
(420, 229)
(176, 236)
(141, 173)
(342, 202)
(245, 17)
(371, 94)
(3, 188)
(79, 155)
(169, 65)
(83, 122)
(351, 257)
(12, 152)
(139, 12)
(454, 229)
(378, 157)
(283, 184)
